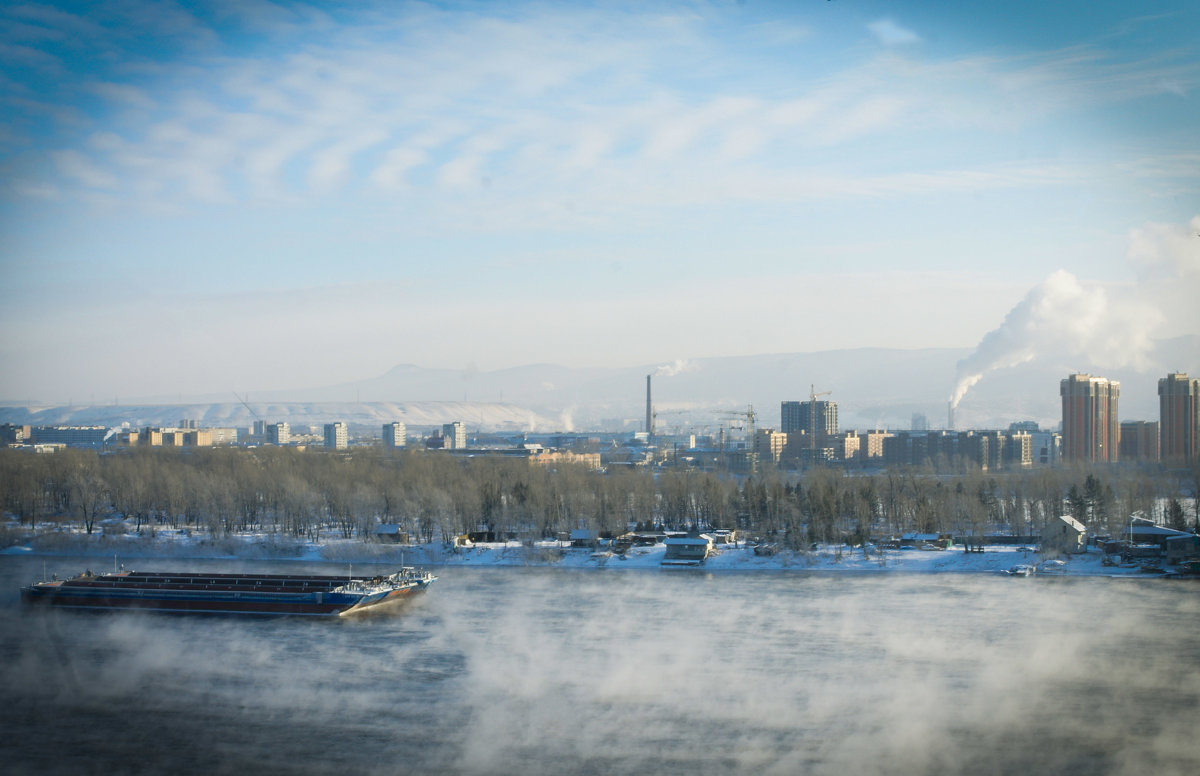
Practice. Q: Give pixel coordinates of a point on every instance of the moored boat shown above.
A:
(249, 594)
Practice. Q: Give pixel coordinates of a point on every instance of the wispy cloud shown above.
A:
(561, 98)
(889, 33)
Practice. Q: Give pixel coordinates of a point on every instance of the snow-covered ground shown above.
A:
(166, 544)
(833, 559)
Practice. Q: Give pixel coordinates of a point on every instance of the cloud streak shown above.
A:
(556, 98)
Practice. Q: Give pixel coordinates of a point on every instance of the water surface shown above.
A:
(582, 672)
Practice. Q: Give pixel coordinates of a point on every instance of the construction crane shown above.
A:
(812, 421)
(749, 415)
(656, 412)
(247, 406)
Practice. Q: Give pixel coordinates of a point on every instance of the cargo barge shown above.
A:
(244, 594)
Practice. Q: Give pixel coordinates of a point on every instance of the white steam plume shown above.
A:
(673, 368)
(1110, 326)
(1062, 316)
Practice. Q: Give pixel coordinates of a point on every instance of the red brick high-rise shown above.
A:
(1179, 417)
(1090, 428)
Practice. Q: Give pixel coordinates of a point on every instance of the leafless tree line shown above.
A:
(433, 496)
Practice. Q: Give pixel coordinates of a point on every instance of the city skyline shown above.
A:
(235, 198)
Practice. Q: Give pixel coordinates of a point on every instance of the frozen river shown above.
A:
(541, 671)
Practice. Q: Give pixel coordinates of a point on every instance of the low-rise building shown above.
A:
(770, 444)
(687, 550)
(71, 436)
(14, 434)
(1064, 535)
(1139, 440)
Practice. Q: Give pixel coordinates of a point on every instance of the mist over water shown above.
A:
(542, 671)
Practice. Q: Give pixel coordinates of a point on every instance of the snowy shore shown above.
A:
(182, 545)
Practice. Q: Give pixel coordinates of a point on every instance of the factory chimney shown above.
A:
(950, 416)
(649, 410)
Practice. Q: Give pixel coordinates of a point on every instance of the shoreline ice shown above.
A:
(183, 545)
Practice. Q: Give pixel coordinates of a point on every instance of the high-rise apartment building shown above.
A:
(454, 435)
(1091, 430)
(395, 435)
(337, 436)
(809, 417)
(279, 434)
(871, 445)
(1179, 417)
(1018, 453)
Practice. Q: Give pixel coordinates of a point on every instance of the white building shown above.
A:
(279, 434)
(1064, 536)
(337, 436)
(454, 435)
(395, 435)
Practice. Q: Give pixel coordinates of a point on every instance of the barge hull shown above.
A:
(231, 594)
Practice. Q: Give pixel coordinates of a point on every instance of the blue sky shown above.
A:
(203, 196)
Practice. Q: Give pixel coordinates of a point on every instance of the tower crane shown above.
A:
(655, 412)
(247, 406)
(812, 421)
(749, 415)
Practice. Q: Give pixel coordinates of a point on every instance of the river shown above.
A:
(502, 671)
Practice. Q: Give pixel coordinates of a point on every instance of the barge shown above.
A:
(247, 594)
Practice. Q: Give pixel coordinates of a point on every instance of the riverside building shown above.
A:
(1090, 427)
(1179, 417)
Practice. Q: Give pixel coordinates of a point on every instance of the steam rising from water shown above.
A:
(532, 671)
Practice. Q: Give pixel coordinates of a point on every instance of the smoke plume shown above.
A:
(1112, 326)
(673, 368)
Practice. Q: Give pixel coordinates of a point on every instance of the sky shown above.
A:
(245, 195)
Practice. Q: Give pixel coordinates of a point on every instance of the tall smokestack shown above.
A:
(950, 416)
(649, 411)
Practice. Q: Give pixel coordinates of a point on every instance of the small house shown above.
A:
(926, 541)
(724, 536)
(1183, 547)
(1064, 535)
(1142, 531)
(623, 543)
(391, 533)
(582, 537)
(481, 537)
(687, 550)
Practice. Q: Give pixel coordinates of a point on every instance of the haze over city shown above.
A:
(264, 196)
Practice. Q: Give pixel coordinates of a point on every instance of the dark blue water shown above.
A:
(538, 671)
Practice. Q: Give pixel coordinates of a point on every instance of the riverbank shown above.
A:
(184, 545)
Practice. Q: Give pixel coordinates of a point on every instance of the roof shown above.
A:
(1078, 526)
(1143, 528)
(702, 539)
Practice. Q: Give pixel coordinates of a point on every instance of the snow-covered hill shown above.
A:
(874, 388)
(504, 417)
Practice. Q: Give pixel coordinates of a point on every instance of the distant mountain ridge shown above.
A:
(500, 417)
(874, 387)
